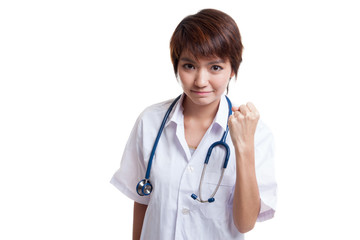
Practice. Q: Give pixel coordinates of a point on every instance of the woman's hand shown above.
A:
(242, 125)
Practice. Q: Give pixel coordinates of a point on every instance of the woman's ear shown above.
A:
(232, 74)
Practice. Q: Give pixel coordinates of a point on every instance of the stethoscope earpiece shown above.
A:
(144, 187)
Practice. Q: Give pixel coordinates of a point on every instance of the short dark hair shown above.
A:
(208, 33)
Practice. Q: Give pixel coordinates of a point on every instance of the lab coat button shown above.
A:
(185, 211)
(190, 169)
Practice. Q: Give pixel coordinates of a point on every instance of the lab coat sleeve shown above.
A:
(132, 168)
(265, 171)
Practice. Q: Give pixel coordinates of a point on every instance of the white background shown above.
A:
(76, 74)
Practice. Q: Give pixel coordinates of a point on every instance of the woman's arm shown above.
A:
(139, 213)
(246, 203)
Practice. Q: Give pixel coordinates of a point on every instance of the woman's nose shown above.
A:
(201, 79)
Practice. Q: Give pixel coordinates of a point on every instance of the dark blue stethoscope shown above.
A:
(144, 187)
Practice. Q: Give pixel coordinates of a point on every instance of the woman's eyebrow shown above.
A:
(185, 59)
(216, 61)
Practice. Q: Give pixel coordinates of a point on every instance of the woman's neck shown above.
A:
(202, 113)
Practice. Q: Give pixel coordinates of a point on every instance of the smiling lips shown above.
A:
(201, 92)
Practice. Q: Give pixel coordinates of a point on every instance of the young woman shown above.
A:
(181, 197)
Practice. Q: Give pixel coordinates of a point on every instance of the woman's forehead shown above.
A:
(188, 56)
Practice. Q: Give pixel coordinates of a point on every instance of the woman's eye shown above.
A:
(216, 68)
(189, 66)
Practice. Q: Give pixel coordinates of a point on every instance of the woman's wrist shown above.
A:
(245, 153)
(244, 146)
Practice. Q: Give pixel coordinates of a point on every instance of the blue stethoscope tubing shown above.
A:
(144, 187)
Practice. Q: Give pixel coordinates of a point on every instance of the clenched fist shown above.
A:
(242, 125)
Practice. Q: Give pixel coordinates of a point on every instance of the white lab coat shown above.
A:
(175, 175)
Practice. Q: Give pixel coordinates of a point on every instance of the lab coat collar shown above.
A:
(177, 116)
(221, 117)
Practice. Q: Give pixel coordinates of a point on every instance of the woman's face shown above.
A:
(204, 80)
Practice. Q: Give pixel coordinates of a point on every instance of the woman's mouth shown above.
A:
(201, 93)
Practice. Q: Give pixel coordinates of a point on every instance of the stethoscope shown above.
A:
(144, 187)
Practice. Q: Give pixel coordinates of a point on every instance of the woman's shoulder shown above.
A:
(263, 133)
(157, 108)
(262, 126)
(155, 112)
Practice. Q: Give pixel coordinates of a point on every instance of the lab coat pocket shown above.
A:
(212, 178)
(219, 209)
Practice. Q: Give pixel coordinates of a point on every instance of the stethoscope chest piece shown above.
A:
(144, 187)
